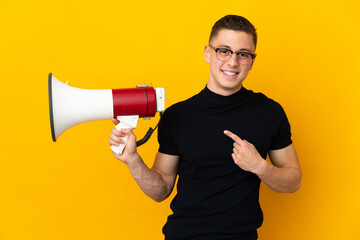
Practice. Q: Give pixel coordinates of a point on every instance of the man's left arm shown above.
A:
(283, 175)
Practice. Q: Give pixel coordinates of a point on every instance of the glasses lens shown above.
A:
(244, 57)
(223, 54)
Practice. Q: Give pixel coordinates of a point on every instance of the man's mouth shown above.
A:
(230, 73)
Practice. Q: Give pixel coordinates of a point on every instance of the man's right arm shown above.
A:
(157, 182)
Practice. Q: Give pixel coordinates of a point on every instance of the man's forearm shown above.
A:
(149, 180)
(285, 180)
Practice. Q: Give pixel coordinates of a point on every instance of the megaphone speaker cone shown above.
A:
(70, 106)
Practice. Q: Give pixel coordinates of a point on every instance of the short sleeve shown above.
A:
(166, 134)
(282, 129)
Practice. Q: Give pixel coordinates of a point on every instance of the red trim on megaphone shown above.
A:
(134, 101)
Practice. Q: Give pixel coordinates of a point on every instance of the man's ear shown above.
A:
(207, 53)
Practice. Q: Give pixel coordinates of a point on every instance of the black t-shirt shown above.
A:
(215, 198)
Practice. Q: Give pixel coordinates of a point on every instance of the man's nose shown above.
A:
(233, 61)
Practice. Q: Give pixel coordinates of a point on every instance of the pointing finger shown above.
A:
(233, 136)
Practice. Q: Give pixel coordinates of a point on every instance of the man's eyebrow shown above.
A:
(225, 46)
(240, 50)
(244, 50)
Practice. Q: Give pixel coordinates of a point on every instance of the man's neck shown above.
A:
(223, 91)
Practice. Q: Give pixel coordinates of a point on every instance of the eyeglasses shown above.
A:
(224, 54)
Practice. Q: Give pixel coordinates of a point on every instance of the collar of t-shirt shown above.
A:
(220, 99)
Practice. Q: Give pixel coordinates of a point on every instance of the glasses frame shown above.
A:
(231, 51)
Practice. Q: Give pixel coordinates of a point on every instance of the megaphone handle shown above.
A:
(125, 122)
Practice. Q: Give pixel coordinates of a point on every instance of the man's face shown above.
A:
(226, 77)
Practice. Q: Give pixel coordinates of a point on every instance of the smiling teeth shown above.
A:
(229, 73)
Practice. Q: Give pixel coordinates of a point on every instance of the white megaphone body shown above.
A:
(70, 106)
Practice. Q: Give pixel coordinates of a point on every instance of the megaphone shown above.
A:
(69, 106)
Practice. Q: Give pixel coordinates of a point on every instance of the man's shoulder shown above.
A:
(268, 107)
(183, 105)
(175, 114)
(261, 99)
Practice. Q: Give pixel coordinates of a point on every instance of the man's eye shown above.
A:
(224, 51)
(244, 54)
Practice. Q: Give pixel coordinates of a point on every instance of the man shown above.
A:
(217, 142)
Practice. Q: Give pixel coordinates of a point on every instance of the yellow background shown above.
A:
(308, 60)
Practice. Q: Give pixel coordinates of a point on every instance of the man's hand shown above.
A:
(130, 151)
(245, 154)
(283, 175)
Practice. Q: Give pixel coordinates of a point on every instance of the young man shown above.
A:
(217, 142)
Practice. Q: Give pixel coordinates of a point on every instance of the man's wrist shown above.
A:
(263, 169)
(133, 160)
